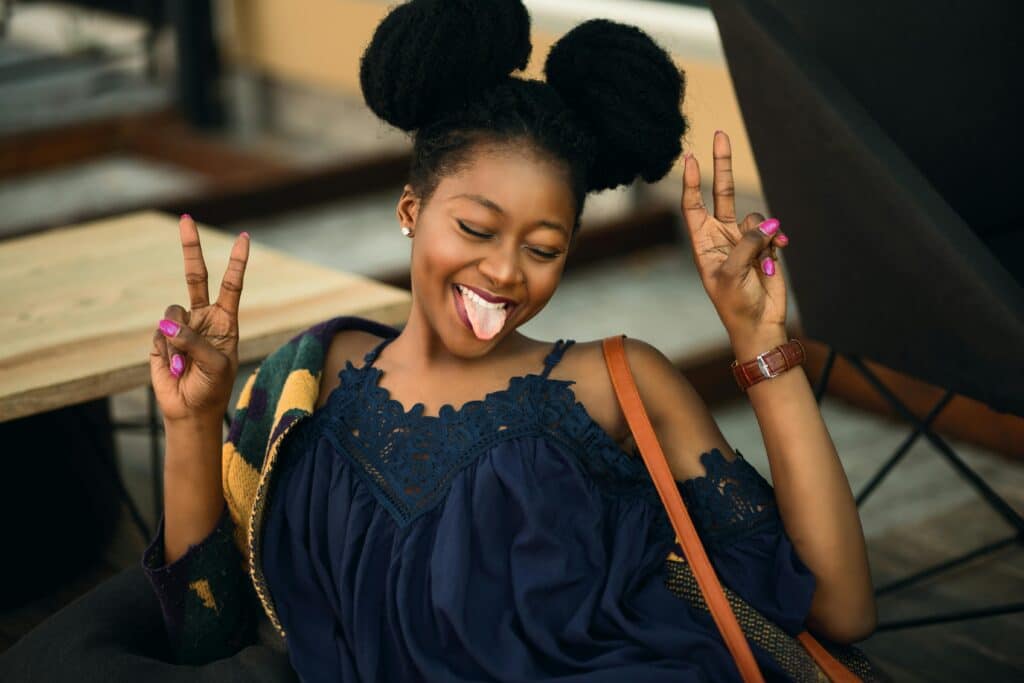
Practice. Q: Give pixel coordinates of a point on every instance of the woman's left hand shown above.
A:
(736, 262)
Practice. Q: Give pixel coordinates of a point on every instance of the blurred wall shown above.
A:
(319, 43)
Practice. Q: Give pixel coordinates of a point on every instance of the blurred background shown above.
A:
(247, 114)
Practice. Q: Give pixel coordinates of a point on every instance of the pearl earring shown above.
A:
(406, 230)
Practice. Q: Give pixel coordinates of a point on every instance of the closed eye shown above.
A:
(547, 255)
(466, 229)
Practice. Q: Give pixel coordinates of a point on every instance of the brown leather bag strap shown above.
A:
(650, 449)
(693, 550)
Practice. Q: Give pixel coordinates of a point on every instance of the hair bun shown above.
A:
(427, 56)
(627, 91)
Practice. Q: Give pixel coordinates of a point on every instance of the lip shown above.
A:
(487, 296)
(460, 308)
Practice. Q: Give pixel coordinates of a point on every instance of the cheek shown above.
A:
(436, 258)
(542, 282)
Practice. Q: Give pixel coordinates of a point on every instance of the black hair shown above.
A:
(609, 108)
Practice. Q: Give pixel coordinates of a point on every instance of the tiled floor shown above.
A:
(104, 183)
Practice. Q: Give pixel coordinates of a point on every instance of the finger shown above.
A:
(179, 316)
(234, 276)
(723, 188)
(751, 222)
(193, 347)
(158, 356)
(196, 276)
(693, 207)
(756, 238)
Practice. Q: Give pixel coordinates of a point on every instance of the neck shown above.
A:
(422, 350)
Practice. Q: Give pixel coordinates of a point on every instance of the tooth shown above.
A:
(477, 299)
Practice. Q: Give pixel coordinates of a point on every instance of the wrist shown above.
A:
(204, 421)
(748, 346)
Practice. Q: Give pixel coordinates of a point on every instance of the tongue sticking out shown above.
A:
(486, 322)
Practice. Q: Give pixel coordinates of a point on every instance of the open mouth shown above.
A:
(485, 318)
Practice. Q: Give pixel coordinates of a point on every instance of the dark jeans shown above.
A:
(115, 633)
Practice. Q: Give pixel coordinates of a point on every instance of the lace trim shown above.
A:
(730, 501)
(410, 458)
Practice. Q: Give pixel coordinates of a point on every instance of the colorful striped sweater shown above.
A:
(211, 595)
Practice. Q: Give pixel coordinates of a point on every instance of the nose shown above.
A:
(501, 267)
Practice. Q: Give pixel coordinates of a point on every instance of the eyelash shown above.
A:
(543, 254)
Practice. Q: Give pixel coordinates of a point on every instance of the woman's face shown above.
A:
(521, 209)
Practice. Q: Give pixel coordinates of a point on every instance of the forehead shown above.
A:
(523, 183)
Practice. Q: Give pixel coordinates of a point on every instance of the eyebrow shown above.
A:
(487, 203)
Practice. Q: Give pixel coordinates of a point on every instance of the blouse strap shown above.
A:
(371, 356)
(556, 355)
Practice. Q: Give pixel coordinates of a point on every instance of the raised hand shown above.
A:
(736, 262)
(194, 358)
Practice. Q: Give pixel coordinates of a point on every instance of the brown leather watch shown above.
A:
(769, 364)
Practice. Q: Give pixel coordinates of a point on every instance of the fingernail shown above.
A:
(185, 215)
(769, 226)
(782, 239)
(177, 365)
(717, 132)
(768, 266)
(169, 327)
(245, 235)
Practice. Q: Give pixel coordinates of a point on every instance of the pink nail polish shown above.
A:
(177, 365)
(169, 327)
(185, 215)
(245, 235)
(769, 227)
(768, 266)
(782, 239)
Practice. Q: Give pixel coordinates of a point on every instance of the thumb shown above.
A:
(753, 242)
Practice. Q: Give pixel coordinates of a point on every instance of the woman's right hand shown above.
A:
(206, 339)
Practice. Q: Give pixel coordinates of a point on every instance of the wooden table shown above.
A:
(78, 305)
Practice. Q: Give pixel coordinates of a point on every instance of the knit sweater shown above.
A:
(211, 595)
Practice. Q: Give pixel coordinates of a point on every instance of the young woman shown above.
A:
(460, 502)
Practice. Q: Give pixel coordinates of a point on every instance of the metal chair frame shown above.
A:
(922, 427)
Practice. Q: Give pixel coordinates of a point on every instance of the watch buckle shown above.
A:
(762, 365)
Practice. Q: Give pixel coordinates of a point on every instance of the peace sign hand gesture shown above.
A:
(736, 262)
(194, 358)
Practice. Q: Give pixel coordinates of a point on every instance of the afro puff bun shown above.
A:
(442, 69)
(628, 92)
(428, 56)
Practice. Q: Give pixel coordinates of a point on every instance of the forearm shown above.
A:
(193, 495)
(814, 497)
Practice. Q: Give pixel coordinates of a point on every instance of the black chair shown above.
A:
(887, 269)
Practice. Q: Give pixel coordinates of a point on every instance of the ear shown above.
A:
(408, 207)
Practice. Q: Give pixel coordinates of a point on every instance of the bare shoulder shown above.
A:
(680, 417)
(347, 345)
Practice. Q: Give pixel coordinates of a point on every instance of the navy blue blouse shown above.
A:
(509, 539)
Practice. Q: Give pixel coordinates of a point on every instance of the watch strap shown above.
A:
(769, 364)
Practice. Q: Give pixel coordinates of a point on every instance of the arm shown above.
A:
(811, 490)
(193, 563)
(193, 499)
(814, 497)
